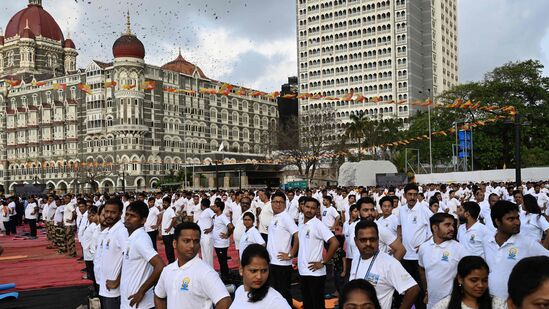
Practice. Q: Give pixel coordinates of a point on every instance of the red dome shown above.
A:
(69, 44)
(41, 23)
(183, 66)
(128, 46)
(1, 40)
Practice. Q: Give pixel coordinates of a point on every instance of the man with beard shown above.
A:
(471, 233)
(382, 270)
(504, 249)
(110, 255)
(388, 242)
(438, 259)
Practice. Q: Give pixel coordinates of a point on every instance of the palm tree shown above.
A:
(355, 130)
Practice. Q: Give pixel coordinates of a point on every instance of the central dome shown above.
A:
(181, 65)
(128, 45)
(40, 23)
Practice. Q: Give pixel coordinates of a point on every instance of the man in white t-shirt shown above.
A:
(141, 265)
(451, 204)
(330, 216)
(264, 214)
(312, 235)
(471, 233)
(383, 271)
(154, 220)
(167, 228)
(194, 208)
(31, 213)
(222, 230)
(281, 251)
(387, 218)
(189, 282)
(205, 222)
(506, 247)
(110, 254)
(438, 259)
(69, 220)
(415, 230)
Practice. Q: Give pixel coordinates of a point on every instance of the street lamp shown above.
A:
(430, 137)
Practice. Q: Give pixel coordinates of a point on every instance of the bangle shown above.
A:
(289, 255)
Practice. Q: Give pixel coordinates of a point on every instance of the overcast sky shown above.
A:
(253, 42)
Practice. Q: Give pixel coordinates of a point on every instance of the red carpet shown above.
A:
(31, 266)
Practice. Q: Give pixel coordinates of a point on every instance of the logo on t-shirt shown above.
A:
(324, 213)
(185, 284)
(127, 253)
(276, 222)
(372, 278)
(513, 252)
(307, 235)
(107, 244)
(445, 256)
(414, 221)
(472, 239)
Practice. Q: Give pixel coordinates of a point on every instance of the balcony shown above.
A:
(130, 128)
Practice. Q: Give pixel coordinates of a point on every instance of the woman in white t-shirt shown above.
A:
(255, 291)
(251, 236)
(532, 223)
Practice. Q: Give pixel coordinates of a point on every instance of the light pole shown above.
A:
(430, 137)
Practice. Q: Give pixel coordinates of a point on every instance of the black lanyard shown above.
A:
(369, 267)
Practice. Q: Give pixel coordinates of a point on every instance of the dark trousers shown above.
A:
(109, 302)
(222, 259)
(412, 267)
(91, 276)
(32, 226)
(7, 226)
(265, 238)
(312, 291)
(281, 279)
(153, 235)
(13, 225)
(168, 247)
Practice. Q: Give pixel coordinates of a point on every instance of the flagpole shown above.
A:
(430, 136)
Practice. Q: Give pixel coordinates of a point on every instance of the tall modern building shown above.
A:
(127, 130)
(392, 52)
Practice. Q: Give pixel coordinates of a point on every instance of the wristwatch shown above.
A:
(289, 255)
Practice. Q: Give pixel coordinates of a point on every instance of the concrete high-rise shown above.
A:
(392, 52)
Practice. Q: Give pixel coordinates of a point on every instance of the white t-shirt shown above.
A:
(386, 275)
(195, 284)
(312, 236)
(440, 263)
(533, 226)
(273, 300)
(68, 216)
(265, 217)
(58, 217)
(152, 218)
(111, 257)
(31, 207)
(350, 245)
(502, 259)
(194, 210)
(220, 226)
(13, 209)
(390, 223)
(136, 269)
(249, 237)
(471, 239)
(329, 215)
(97, 249)
(86, 240)
(167, 217)
(205, 221)
(485, 213)
(280, 236)
(415, 228)
(451, 205)
(239, 227)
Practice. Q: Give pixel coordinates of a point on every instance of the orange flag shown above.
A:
(148, 85)
(360, 98)
(128, 87)
(57, 86)
(84, 88)
(14, 83)
(110, 84)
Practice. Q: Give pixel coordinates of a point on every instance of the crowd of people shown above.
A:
(429, 246)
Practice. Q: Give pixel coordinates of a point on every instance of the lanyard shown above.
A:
(369, 267)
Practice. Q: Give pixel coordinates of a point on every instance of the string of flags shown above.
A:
(227, 89)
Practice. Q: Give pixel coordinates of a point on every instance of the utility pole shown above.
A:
(518, 160)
